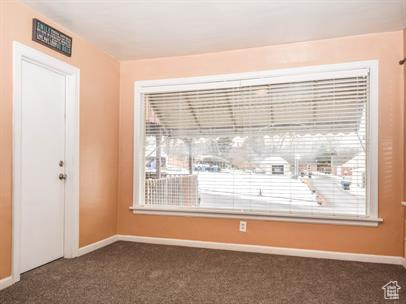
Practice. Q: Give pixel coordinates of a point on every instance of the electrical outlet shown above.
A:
(243, 226)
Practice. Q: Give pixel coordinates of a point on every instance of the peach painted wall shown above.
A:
(99, 104)
(383, 240)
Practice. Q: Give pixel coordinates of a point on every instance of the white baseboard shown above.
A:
(6, 282)
(97, 245)
(320, 254)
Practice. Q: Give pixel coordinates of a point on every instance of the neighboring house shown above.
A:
(274, 165)
(210, 163)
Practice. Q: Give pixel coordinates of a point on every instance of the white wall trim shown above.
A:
(23, 53)
(221, 80)
(6, 282)
(308, 253)
(100, 244)
(265, 216)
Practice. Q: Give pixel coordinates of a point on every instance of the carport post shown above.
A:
(158, 139)
(189, 141)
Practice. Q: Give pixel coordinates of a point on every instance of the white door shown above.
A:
(43, 153)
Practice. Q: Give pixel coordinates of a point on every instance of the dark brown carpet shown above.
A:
(140, 273)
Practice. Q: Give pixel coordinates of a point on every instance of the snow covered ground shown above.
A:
(261, 192)
(339, 201)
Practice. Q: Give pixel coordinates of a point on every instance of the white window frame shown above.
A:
(256, 78)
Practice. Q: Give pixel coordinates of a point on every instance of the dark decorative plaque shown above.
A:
(51, 37)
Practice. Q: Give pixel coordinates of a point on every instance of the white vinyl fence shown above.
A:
(181, 190)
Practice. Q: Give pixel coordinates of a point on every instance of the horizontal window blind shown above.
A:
(295, 146)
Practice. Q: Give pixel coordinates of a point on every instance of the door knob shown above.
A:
(62, 176)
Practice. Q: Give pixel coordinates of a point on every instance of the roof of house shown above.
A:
(357, 162)
(273, 160)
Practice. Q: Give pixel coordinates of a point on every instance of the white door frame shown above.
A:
(22, 53)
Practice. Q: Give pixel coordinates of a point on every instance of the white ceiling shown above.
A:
(147, 29)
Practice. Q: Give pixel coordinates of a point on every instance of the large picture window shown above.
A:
(297, 143)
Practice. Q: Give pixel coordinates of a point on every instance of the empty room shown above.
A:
(202, 151)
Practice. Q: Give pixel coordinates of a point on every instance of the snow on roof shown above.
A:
(211, 158)
(358, 161)
(152, 153)
(273, 160)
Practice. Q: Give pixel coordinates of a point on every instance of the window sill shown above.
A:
(283, 217)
